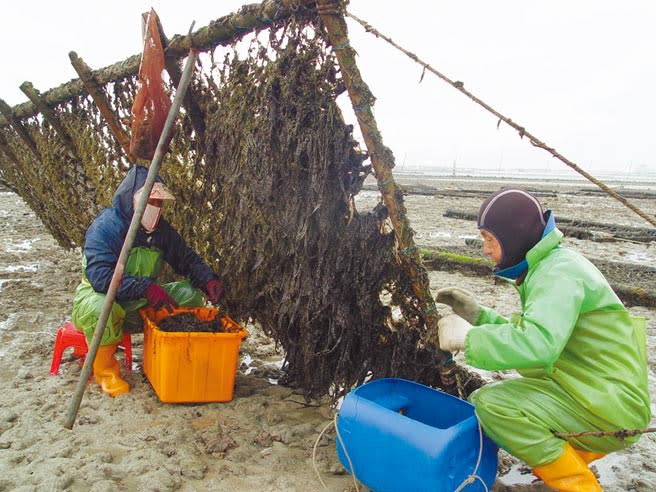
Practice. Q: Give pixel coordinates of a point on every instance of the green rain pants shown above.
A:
(88, 304)
(520, 415)
(142, 262)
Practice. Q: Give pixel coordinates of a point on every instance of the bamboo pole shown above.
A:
(96, 93)
(20, 129)
(222, 31)
(382, 161)
(49, 115)
(117, 276)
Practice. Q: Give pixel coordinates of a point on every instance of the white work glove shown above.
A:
(452, 330)
(461, 301)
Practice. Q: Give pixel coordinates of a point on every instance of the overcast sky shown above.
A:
(580, 75)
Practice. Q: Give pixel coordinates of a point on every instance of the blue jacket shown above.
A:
(106, 234)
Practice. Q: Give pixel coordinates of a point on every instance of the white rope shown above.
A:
(341, 442)
(473, 477)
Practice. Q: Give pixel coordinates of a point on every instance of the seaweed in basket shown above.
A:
(188, 322)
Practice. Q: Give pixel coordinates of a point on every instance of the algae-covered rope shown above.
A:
(520, 129)
(620, 434)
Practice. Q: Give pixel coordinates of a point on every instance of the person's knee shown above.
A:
(495, 402)
(482, 400)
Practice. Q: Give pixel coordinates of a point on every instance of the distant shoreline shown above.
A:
(428, 179)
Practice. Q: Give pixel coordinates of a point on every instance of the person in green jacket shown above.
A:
(582, 356)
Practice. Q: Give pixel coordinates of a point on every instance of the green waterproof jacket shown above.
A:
(574, 330)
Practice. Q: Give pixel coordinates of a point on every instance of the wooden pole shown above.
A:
(117, 276)
(20, 129)
(4, 147)
(49, 115)
(222, 31)
(382, 161)
(192, 108)
(96, 93)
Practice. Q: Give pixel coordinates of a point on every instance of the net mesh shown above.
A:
(265, 172)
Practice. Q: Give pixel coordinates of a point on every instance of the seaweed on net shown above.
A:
(299, 258)
(264, 186)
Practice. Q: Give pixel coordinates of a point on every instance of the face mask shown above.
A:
(150, 217)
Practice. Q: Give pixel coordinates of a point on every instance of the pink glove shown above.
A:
(214, 289)
(158, 297)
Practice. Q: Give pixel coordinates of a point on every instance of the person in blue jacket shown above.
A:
(156, 241)
(581, 355)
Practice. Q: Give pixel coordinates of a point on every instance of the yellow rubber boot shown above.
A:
(590, 456)
(107, 371)
(569, 473)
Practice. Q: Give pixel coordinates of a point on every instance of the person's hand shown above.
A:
(461, 301)
(158, 298)
(214, 289)
(452, 330)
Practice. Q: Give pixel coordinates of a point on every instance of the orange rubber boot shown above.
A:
(590, 456)
(569, 473)
(107, 371)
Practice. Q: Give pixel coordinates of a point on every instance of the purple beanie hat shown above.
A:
(516, 219)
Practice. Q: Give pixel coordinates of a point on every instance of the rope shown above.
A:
(473, 477)
(348, 458)
(620, 434)
(520, 129)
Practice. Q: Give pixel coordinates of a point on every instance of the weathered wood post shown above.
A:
(20, 129)
(35, 96)
(95, 91)
(382, 161)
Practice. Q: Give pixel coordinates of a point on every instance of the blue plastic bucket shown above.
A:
(403, 436)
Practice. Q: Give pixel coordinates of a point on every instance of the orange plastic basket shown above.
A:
(191, 367)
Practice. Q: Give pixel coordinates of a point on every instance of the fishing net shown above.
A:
(265, 171)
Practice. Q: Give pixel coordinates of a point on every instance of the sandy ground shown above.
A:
(267, 437)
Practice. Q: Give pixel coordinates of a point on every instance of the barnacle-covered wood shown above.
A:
(265, 195)
(223, 31)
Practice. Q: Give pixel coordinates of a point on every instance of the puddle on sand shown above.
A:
(9, 322)
(19, 246)
(31, 267)
(642, 257)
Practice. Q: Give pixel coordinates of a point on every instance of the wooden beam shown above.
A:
(192, 108)
(382, 160)
(4, 147)
(20, 129)
(223, 31)
(49, 115)
(98, 96)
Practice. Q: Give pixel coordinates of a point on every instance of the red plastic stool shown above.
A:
(68, 336)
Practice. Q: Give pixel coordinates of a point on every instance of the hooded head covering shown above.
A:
(134, 180)
(516, 219)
